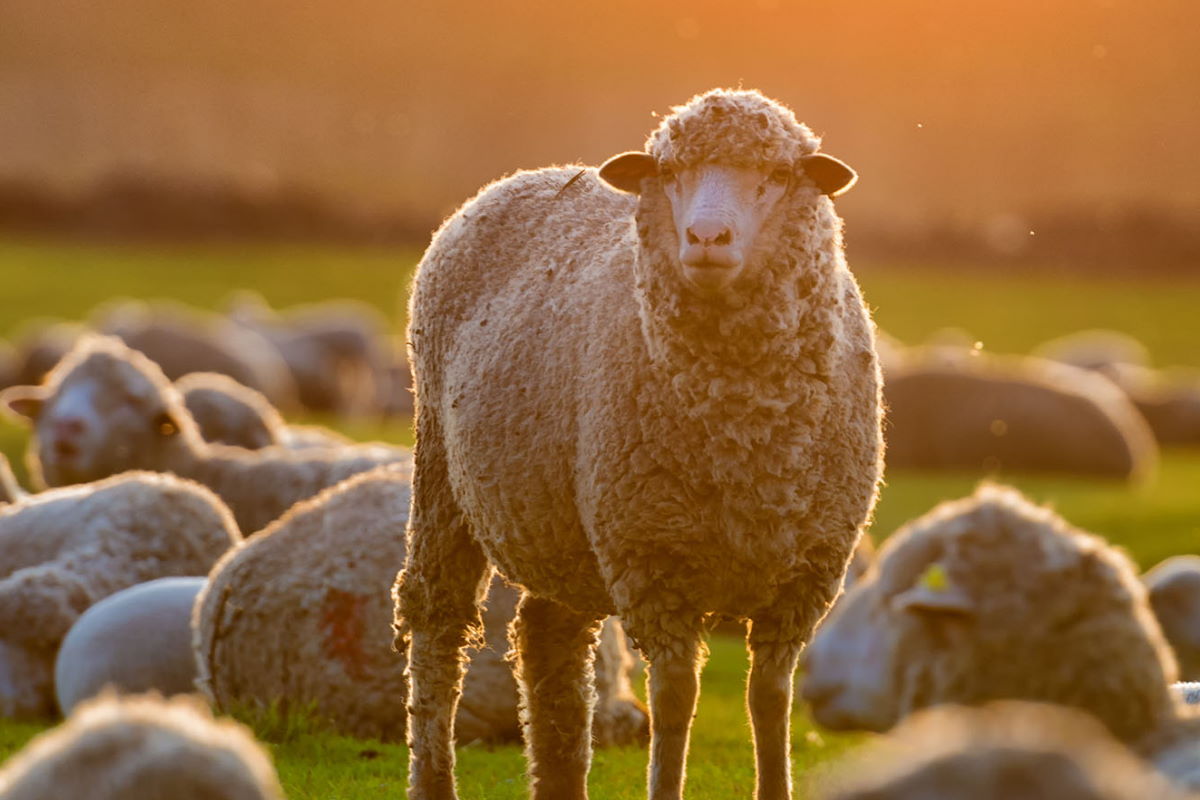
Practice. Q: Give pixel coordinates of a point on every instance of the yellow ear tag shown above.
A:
(934, 578)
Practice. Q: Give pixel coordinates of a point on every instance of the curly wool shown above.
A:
(115, 748)
(999, 751)
(713, 128)
(258, 486)
(300, 616)
(65, 549)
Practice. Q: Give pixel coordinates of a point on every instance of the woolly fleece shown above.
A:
(664, 455)
(300, 616)
(65, 549)
(119, 748)
(148, 427)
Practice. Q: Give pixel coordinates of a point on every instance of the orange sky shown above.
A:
(949, 109)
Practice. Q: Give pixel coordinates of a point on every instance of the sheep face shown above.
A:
(99, 414)
(856, 675)
(988, 598)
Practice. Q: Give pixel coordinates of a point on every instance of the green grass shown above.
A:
(1008, 314)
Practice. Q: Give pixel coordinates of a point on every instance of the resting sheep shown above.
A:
(990, 413)
(63, 550)
(662, 403)
(1002, 751)
(1174, 587)
(106, 409)
(181, 339)
(227, 412)
(300, 616)
(335, 350)
(137, 640)
(146, 748)
(991, 597)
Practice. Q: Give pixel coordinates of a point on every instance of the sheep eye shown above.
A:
(780, 175)
(667, 174)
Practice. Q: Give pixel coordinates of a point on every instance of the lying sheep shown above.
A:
(334, 349)
(145, 748)
(689, 392)
(136, 640)
(106, 408)
(991, 597)
(63, 550)
(994, 413)
(227, 412)
(1174, 587)
(1002, 751)
(300, 616)
(1095, 349)
(181, 339)
(1168, 399)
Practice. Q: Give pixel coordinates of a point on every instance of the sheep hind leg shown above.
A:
(555, 648)
(769, 700)
(438, 597)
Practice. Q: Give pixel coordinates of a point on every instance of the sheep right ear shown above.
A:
(23, 402)
(626, 171)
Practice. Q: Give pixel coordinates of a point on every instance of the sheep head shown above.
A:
(725, 161)
(104, 409)
(992, 597)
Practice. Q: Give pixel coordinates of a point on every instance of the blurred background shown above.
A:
(1027, 169)
(1003, 131)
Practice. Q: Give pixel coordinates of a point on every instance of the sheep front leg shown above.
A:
(769, 699)
(673, 678)
(555, 648)
(438, 596)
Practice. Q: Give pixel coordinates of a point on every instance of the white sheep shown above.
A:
(660, 402)
(992, 597)
(63, 550)
(227, 412)
(136, 640)
(181, 339)
(336, 350)
(300, 617)
(1174, 587)
(1001, 751)
(107, 408)
(952, 407)
(117, 748)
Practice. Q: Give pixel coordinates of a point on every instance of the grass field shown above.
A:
(1007, 314)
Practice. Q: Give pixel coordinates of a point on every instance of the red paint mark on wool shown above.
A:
(343, 620)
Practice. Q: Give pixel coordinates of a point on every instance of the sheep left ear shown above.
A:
(832, 177)
(934, 594)
(626, 171)
(24, 401)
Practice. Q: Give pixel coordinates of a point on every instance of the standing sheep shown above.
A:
(301, 615)
(65, 549)
(1002, 751)
(991, 597)
(661, 402)
(145, 748)
(106, 409)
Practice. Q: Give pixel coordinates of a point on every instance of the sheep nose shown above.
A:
(709, 233)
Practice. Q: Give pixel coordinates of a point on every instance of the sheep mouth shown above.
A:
(65, 450)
